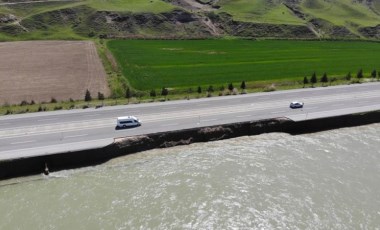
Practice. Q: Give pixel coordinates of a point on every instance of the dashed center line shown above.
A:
(48, 119)
(278, 112)
(22, 142)
(175, 124)
(90, 115)
(74, 136)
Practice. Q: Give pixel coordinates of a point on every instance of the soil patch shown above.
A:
(42, 70)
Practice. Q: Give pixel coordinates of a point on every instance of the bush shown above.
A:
(87, 96)
(270, 88)
(23, 103)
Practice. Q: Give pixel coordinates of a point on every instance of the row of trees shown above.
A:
(88, 97)
(324, 79)
(313, 80)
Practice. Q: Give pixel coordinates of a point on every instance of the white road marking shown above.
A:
(278, 112)
(175, 124)
(48, 119)
(74, 136)
(22, 142)
(91, 115)
(207, 120)
(241, 116)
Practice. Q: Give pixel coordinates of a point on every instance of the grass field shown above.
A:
(155, 6)
(259, 11)
(342, 12)
(153, 64)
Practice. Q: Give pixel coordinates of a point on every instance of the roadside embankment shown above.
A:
(133, 144)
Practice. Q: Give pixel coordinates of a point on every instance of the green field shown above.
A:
(153, 64)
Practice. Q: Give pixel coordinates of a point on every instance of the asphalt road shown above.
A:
(52, 132)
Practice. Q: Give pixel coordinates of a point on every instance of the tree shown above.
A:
(87, 96)
(53, 100)
(359, 75)
(100, 96)
(153, 93)
(348, 76)
(305, 81)
(324, 79)
(189, 91)
(332, 79)
(313, 79)
(128, 94)
(199, 90)
(374, 74)
(164, 92)
(243, 86)
(210, 89)
(230, 87)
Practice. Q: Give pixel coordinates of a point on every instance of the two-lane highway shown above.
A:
(59, 131)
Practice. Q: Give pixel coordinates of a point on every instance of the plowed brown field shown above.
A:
(42, 70)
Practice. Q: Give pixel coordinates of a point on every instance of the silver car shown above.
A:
(296, 104)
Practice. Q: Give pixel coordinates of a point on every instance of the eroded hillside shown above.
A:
(65, 19)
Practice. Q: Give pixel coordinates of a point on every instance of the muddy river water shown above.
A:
(326, 180)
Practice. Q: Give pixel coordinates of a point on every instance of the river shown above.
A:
(325, 180)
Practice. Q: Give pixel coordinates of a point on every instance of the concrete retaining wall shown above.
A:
(134, 144)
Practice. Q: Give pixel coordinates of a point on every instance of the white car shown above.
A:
(296, 104)
(128, 121)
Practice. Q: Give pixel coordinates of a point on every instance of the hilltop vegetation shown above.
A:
(357, 19)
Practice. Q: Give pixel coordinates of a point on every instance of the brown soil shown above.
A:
(42, 70)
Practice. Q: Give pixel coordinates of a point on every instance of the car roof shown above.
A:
(126, 117)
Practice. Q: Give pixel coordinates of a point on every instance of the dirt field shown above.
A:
(42, 70)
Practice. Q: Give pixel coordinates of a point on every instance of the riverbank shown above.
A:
(134, 144)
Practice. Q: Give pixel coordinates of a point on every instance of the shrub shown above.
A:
(23, 103)
(87, 96)
(270, 88)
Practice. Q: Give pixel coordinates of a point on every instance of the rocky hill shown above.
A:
(295, 19)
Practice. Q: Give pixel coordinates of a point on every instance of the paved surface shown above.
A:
(59, 131)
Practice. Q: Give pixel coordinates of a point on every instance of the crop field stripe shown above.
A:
(153, 64)
(229, 63)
